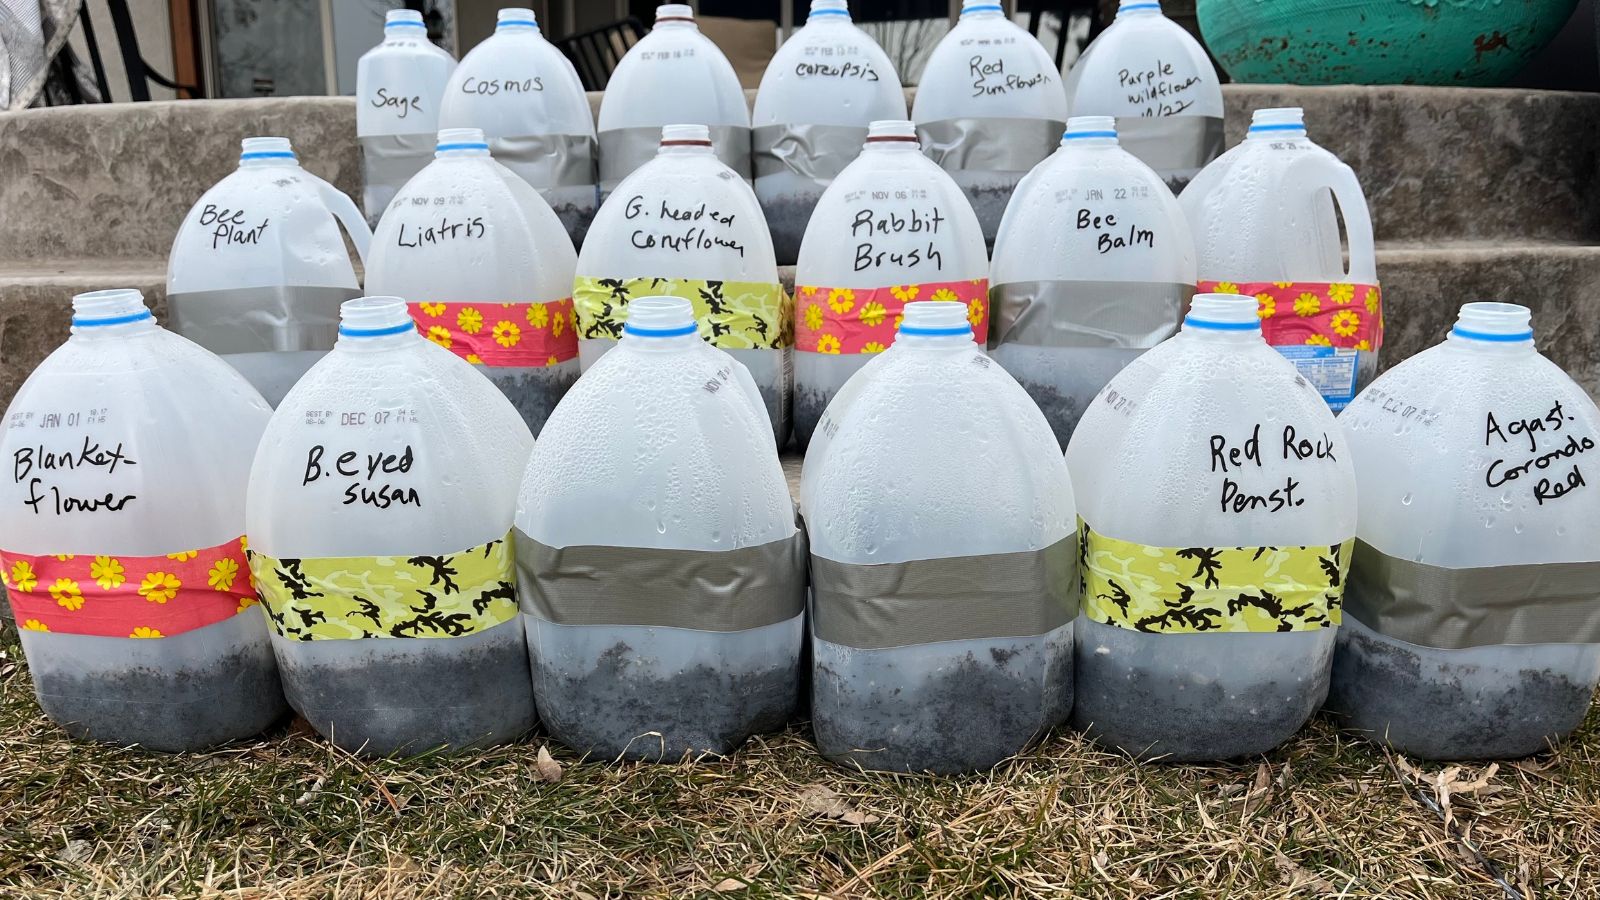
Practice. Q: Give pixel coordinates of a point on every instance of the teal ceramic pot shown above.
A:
(1478, 43)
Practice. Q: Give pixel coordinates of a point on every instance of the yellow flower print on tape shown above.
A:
(183, 555)
(475, 359)
(975, 312)
(1345, 322)
(1319, 340)
(945, 295)
(552, 361)
(469, 320)
(810, 290)
(63, 557)
(1372, 300)
(841, 300)
(246, 602)
(159, 587)
(1266, 305)
(222, 574)
(1282, 284)
(559, 324)
(1307, 304)
(537, 315)
(23, 577)
(827, 344)
(35, 625)
(905, 293)
(439, 335)
(107, 572)
(813, 316)
(432, 310)
(1341, 294)
(872, 347)
(507, 334)
(67, 594)
(1226, 287)
(872, 314)
(145, 632)
(1363, 344)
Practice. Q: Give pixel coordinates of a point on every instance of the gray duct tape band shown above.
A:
(1451, 609)
(1172, 145)
(956, 598)
(706, 590)
(993, 145)
(818, 152)
(624, 149)
(547, 160)
(1129, 314)
(256, 320)
(388, 162)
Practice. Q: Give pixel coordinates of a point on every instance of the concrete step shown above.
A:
(1423, 285)
(1437, 163)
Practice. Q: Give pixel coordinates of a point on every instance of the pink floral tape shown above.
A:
(520, 335)
(865, 320)
(1327, 314)
(129, 596)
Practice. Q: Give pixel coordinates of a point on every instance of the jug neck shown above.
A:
(375, 324)
(891, 136)
(1224, 318)
(824, 12)
(1276, 124)
(516, 20)
(973, 10)
(935, 325)
(676, 16)
(114, 314)
(1090, 132)
(404, 25)
(685, 140)
(1131, 9)
(461, 143)
(1502, 328)
(660, 325)
(266, 153)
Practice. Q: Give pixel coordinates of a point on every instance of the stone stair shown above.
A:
(1476, 194)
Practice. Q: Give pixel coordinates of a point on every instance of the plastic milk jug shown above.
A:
(1217, 507)
(122, 535)
(893, 228)
(258, 269)
(684, 225)
(1264, 225)
(399, 85)
(660, 566)
(486, 270)
(942, 599)
(1472, 621)
(526, 96)
(819, 93)
(379, 517)
(1158, 82)
(990, 106)
(1093, 266)
(674, 74)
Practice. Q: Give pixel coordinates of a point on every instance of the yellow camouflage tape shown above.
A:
(1184, 590)
(343, 598)
(733, 315)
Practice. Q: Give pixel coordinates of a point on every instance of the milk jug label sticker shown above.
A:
(1331, 370)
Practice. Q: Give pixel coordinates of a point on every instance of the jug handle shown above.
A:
(1341, 180)
(344, 209)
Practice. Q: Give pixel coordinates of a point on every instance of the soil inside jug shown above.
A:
(941, 708)
(534, 392)
(386, 696)
(787, 216)
(1459, 710)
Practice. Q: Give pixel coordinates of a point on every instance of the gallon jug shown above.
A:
(943, 559)
(258, 269)
(685, 226)
(1217, 511)
(486, 270)
(1156, 79)
(399, 85)
(1093, 265)
(526, 96)
(1472, 626)
(819, 93)
(661, 571)
(989, 108)
(1264, 225)
(893, 228)
(674, 74)
(122, 535)
(379, 517)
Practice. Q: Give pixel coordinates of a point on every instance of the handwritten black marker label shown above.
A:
(1234, 459)
(1158, 90)
(990, 78)
(489, 87)
(33, 465)
(1551, 445)
(881, 237)
(1110, 235)
(231, 226)
(852, 71)
(443, 231)
(368, 473)
(706, 228)
(401, 105)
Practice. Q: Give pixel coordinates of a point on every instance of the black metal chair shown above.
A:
(139, 72)
(595, 53)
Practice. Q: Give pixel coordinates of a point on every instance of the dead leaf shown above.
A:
(1205, 817)
(1260, 791)
(1299, 877)
(728, 885)
(549, 770)
(824, 801)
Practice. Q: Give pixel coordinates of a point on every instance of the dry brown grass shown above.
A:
(287, 816)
